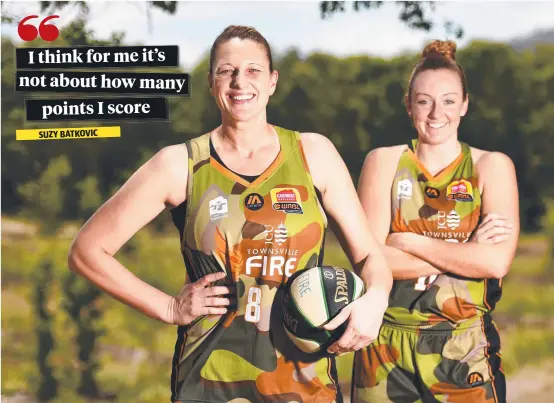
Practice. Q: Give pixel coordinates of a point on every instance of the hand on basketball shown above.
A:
(493, 229)
(199, 299)
(364, 317)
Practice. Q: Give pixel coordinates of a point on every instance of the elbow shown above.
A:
(73, 257)
(76, 257)
(499, 269)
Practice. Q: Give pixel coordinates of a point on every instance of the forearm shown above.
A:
(468, 259)
(375, 272)
(405, 266)
(104, 271)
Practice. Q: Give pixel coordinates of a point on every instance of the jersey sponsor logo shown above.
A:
(432, 193)
(254, 201)
(460, 190)
(453, 220)
(281, 234)
(218, 208)
(273, 258)
(450, 220)
(475, 379)
(287, 200)
(404, 189)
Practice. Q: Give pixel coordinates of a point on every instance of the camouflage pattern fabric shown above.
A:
(447, 207)
(259, 233)
(438, 363)
(438, 342)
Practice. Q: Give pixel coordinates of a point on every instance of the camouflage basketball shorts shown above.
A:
(435, 364)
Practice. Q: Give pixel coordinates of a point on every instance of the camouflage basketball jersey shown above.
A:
(259, 233)
(446, 206)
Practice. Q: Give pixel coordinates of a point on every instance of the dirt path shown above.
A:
(532, 384)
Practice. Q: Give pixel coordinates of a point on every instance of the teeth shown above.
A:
(437, 125)
(242, 97)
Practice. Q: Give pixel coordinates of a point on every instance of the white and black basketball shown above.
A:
(312, 298)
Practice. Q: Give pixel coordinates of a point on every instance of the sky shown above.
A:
(298, 24)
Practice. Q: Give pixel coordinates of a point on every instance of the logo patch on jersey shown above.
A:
(281, 234)
(404, 189)
(287, 200)
(453, 220)
(450, 220)
(254, 201)
(460, 190)
(218, 208)
(274, 257)
(475, 379)
(432, 193)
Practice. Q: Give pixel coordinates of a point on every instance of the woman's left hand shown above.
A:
(364, 316)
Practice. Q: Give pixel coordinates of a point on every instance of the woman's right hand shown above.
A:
(493, 229)
(199, 299)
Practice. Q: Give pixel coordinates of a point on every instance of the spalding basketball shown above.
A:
(313, 297)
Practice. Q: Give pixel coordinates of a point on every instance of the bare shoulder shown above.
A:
(170, 166)
(323, 159)
(171, 160)
(320, 152)
(486, 160)
(386, 153)
(383, 158)
(173, 153)
(492, 166)
(315, 142)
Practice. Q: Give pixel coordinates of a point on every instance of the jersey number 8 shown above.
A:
(253, 309)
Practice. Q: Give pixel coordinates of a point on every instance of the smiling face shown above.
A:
(241, 80)
(436, 105)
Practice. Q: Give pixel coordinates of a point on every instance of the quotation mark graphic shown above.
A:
(47, 32)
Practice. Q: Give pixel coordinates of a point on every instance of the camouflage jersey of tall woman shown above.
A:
(249, 200)
(450, 238)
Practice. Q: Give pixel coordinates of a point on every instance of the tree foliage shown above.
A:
(415, 14)
(355, 101)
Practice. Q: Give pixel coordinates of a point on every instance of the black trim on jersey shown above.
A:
(178, 215)
(493, 292)
(215, 155)
(492, 352)
(181, 336)
(322, 249)
(335, 377)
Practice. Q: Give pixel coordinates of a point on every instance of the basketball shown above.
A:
(312, 298)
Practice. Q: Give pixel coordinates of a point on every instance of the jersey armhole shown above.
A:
(190, 185)
(406, 148)
(316, 193)
(476, 172)
(180, 213)
(305, 161)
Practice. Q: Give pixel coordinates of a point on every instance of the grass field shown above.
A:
(134, 352)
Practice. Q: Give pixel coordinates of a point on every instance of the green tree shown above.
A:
(44, 198)
(82, 303)
(415, 14)
(48, 384)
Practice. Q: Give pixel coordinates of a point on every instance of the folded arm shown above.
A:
(472, 259)
(374, 189)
